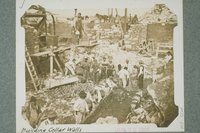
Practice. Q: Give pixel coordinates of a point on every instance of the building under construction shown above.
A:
(60, 64)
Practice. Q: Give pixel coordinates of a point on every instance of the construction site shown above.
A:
(101, 69)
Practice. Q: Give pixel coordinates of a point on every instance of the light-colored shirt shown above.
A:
(123, 74)
(80, 105)
(141, 70)
(168, 58)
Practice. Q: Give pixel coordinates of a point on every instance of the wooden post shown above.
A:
(54, 25)
(75, 12)
(125, 20)
(111, 12)
(116, 11)
(51, 62)
(51, 65)
(45, 19)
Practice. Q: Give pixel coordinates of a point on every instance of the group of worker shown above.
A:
(84, 104)
(90, 69)
(128, 74)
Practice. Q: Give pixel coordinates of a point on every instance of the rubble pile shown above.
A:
(159, 14)
(144, 111)
(156, 103)
(61, 99)
(162, 92)
(107, 31)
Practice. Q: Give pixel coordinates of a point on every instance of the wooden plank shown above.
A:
(42, 53)
(34, 15)
(165, 46)
(51, 83)
(49, 51)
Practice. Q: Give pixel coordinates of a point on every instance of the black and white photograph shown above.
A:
(99, 66)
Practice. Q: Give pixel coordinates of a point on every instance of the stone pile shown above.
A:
(160, 13)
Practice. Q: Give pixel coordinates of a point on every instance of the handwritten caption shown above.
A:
(52, 130)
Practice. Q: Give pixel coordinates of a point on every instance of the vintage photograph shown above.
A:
(99, 66)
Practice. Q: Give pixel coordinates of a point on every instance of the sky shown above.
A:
(91, 12)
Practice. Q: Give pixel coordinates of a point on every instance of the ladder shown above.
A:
(31, 69)
(163, 48)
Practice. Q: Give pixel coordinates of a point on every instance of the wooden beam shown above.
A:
(34, 15)
(51, 65)
(125, 20)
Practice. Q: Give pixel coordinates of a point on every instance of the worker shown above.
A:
(104, 65)
(168, 58)
(135, 19)
(89, 100)
(70, 66)
(110, 69)
(128, 65)
(79, 70)
(79, 27)
(86, 68)
(145, 46)
(119, 67)
(133, 77)
(141, 75)
(124, 76)
(33, 112)
(80, 107)
(94, 70)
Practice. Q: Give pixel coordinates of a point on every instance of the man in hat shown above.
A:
(79, 26)
(81, 107)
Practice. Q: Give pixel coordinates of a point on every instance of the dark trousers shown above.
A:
(140, 81)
